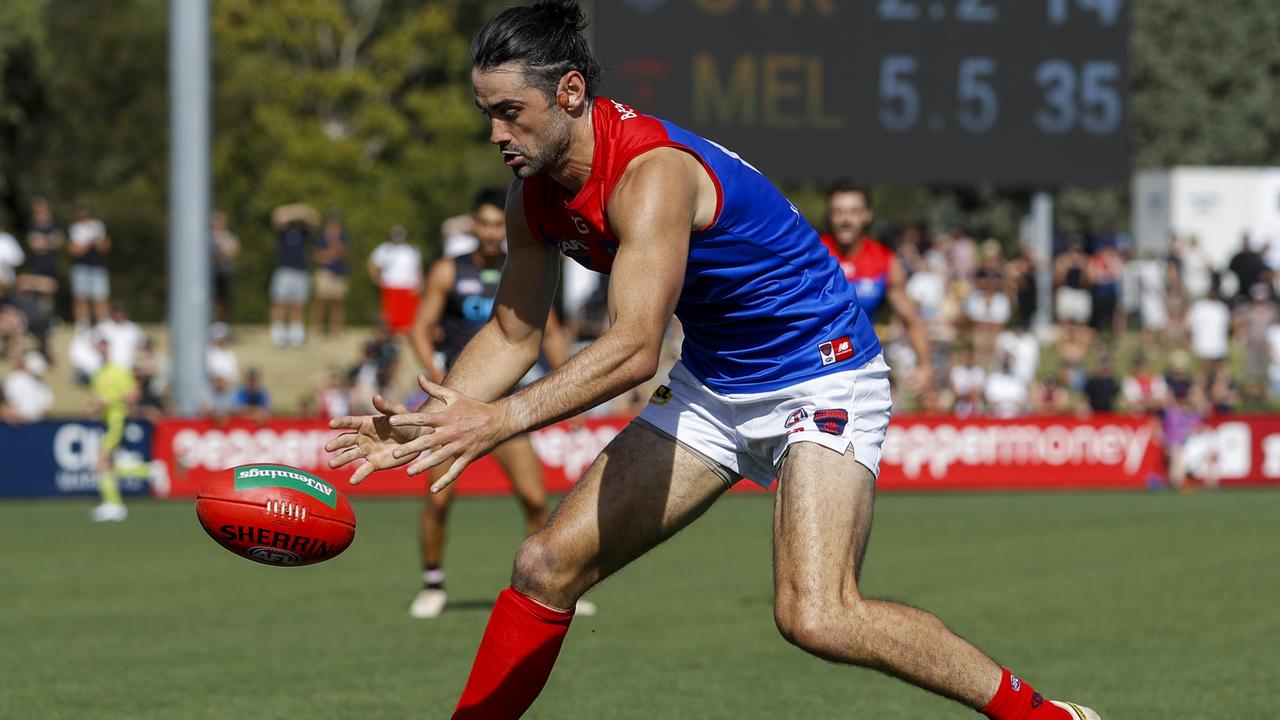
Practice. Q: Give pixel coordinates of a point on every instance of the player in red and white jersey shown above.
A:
(798, 389)
(874, 270)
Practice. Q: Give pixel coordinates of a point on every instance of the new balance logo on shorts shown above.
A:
(797, 416)
(836, 350)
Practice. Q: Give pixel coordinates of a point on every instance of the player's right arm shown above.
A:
(440, 279)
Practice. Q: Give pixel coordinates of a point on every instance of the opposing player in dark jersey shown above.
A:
(780, 375)
(873, 269)
(457, 302)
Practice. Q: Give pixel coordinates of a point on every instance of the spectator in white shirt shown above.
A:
(83, 354)
(967, 379)
(221, 360)
(123, 336)
(11, 256)
(1023, 350)
(1007, 395)
(1209, 320)
(25, 391)
(989, 310)
(396, 268)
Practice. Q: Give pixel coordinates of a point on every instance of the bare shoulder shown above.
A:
(673, 176)
(663, 164)
(442, 273)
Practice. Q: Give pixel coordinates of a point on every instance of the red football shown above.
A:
(275, 514)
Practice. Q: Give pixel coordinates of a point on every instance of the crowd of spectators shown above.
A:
(1116, 321)
(1130, 333)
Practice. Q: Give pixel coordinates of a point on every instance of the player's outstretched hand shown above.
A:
(462, 431)
(371, 438)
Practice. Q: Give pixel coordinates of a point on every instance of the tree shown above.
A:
(22, 78)
(362, 106)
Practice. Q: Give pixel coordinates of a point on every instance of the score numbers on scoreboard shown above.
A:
(1017, 91)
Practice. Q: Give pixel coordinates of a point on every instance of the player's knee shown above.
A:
(828, 626)
(539, 569)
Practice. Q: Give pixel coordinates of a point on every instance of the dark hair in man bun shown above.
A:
(545, 37)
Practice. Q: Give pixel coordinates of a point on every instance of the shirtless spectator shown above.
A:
(226, 247)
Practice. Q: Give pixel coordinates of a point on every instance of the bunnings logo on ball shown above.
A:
(250, 477)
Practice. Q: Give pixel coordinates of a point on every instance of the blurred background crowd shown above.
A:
(1129, 333)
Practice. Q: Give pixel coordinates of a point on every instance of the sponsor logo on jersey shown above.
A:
(835, 351)
(477, 308)
(570, 246)
(626, 112)
(795, 417)
(661, 396)
(1036, 700)
(470, 286)
(831, 421)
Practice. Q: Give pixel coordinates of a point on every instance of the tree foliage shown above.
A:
(364, 106)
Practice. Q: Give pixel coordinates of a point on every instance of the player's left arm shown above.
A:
(555, 346)
(917, 333)
(660, 198)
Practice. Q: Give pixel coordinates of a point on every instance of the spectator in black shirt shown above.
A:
(40, 277)
(1249, 268)
(1101, 388)
(290, 284)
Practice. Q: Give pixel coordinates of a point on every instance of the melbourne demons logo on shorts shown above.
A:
(831, 421)
(834, 351)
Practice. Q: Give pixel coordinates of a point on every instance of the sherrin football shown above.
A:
(276, 515)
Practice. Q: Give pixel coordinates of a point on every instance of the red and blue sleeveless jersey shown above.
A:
(764, 306)
(867, 269)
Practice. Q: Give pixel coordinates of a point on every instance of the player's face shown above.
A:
(532, 131)
(849, 216)
(489, 223)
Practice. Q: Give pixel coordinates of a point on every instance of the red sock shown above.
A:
(513, 663)
(1016, 700)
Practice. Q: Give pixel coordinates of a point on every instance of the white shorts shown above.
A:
(90, 282)
(748, 433)
(289, 286)
(1073, 304)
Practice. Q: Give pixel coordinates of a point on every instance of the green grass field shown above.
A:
(1143, 606)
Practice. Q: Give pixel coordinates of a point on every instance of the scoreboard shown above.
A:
(1027, 92)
